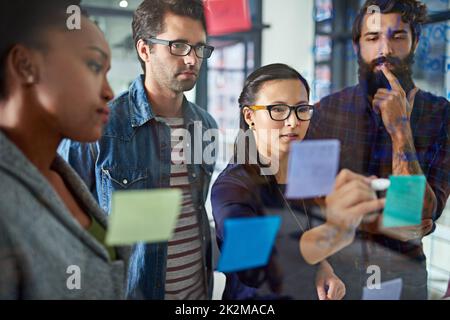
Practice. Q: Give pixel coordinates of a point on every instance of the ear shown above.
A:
(355, 47)
(143, 50)
(23, 65)
(249, 116)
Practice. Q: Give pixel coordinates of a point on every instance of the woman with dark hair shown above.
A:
(275, 111)
(52, 86)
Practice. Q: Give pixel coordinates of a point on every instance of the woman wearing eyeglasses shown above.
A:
(274, 106)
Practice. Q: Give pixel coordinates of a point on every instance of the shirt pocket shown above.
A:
(121, 179)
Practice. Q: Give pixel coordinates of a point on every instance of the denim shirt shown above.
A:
(135, 153)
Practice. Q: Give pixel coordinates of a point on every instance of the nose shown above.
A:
(292, 121)
(107, 91)
(385, 47)
(191, 59)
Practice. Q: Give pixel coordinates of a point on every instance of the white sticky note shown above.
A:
(312, 168)
(389, 290)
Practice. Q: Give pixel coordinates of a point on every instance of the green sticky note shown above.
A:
(404, 201)
(143, 216)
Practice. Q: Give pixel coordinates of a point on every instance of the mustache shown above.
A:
(400, 65)
(373, 79)
(394, 61)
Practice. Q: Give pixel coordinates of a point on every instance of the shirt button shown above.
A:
(194, 175)
(125, 181)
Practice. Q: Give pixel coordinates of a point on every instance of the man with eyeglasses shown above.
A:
(140, 149)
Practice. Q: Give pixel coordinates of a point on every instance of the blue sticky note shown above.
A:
(248, 242)
(404, 201)
(389, 290)
(312, 168)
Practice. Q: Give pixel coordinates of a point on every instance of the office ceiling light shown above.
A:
(123, 4)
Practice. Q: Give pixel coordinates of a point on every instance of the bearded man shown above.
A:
(388, 126)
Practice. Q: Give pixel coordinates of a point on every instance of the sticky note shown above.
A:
(143, 216)
(227, 16)
(248, 242)
(404, 201)
(389, 290)
(312, 168)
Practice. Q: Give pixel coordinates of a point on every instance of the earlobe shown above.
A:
(355, 48)
(248, 117)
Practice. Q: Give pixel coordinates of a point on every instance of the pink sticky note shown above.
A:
(227, 16)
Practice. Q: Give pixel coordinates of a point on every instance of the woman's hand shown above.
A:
(329, 286)
(352, 198)
(350, 201)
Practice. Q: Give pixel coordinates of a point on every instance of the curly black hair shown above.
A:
(413, 12)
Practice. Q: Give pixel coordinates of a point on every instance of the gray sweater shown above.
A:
(44, 251)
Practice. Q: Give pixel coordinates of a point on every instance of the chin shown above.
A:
(88, 137)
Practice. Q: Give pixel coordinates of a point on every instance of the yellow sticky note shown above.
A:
(143, 216)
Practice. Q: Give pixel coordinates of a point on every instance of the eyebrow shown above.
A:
(186, 41)
(97, 49)
(399, 32)
(282, 102)
(373, 33)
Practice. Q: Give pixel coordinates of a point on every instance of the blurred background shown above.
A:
(313, 36)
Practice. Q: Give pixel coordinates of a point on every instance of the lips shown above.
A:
(188, 74)
(104, 114)
(290, 136)
(386, 64)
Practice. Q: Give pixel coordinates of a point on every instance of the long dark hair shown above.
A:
(252, 85)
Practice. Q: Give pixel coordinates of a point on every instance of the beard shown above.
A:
(180, 86)
(168, 77)
(371, 80)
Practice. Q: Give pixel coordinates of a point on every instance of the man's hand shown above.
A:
(401, 233)
(395, 107)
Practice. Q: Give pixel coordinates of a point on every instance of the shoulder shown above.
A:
(339, 97)
(238, 176)
(15, 199)
(120, 105)
(434, 100)
(204, 116)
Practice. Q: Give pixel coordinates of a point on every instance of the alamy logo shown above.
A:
(374, 281)
(374, 18)
(73, 22)
(74, 280)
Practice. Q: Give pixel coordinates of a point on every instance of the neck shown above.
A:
(37, 141)
(281, 175)
(165, 102)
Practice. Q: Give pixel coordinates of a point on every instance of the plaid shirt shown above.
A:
(366, 146)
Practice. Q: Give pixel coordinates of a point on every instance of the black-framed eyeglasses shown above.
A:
(281, 112)
(181, 49)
